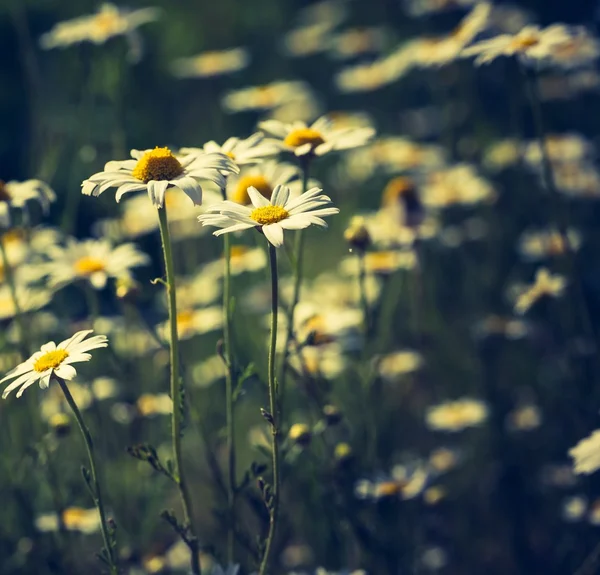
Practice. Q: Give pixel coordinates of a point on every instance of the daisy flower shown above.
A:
(18, 194)
(271, 216)
(266, 96)
(319, 138)
(244, 151)
(210, 64)
(108, 22)
(586, 454)
(54, 360)
(158, 169)
(90, 260)
(532, 43)
(456, 415)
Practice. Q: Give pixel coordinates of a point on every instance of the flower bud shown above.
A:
(357, 234)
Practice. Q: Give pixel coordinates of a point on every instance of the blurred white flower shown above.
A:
(319, 138)
(586, 454)
(212, 63)
(545, 284)
(18, 194)
(90, 260)
(456, 415)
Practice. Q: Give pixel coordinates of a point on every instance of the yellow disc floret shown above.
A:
(240, 195)
(158, 164)
(303, 136)
(50, 360)
(269, 215)
(87, 265)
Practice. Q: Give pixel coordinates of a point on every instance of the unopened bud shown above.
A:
(357, 234)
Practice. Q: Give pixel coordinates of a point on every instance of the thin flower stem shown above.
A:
(298, 261)
(273, 503)
(10, 280)
(89, 444)
(229, 386)
(561, 214)
(176, 397)
(362, 286)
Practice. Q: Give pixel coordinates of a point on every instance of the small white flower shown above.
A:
(108, 22)
(319, 138)
(271, 216)
(213, 63)
(456, 415)
(531, 44)
(90, 260)
(586, 454)
(250, 150)
(18, 194)
(52, 360)
(158, 169)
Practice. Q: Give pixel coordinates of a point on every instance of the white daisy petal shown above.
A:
(274, 233)
(66, 371)
(257, 199)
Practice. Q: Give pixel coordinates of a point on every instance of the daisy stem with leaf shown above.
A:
(272, 500)
(560, 210)
(229, 400)
(92, 479)
(176, 396)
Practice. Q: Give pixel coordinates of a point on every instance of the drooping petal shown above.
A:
(274, 233)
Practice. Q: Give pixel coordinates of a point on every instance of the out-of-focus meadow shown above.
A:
(426, 402)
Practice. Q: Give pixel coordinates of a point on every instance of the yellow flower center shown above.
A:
(231, 155)
(158, 164)
(304, 136)
(238, 252)
(50, 360)
(240, 195)
(389, 488)
(185, 320)
(397, 189)
(88, 265)
(269, 215)
(524, 42)
(4, 195)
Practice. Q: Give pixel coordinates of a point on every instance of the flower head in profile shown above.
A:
(19, 194)
(53, 360)
(109, 21)
(90, 260)
(320, 138)
(271, 216)
(212, 63)
(531, 44)
(586, 454)
(242, 151)
(456, 415)
(159, 169)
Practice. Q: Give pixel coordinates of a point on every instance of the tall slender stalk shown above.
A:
(176, 395)
(362, 287)
(298, 273)
(12, 286)
(97, 493)
(273, 502)
(229, 386)
(561, 214)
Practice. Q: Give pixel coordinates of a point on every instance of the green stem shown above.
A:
(362, 286)
(273, 504)
(10, 280)
(561, 214)
(229, 385)
(298, 261)
(93, 304)
(176, 396)
(89, 444)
